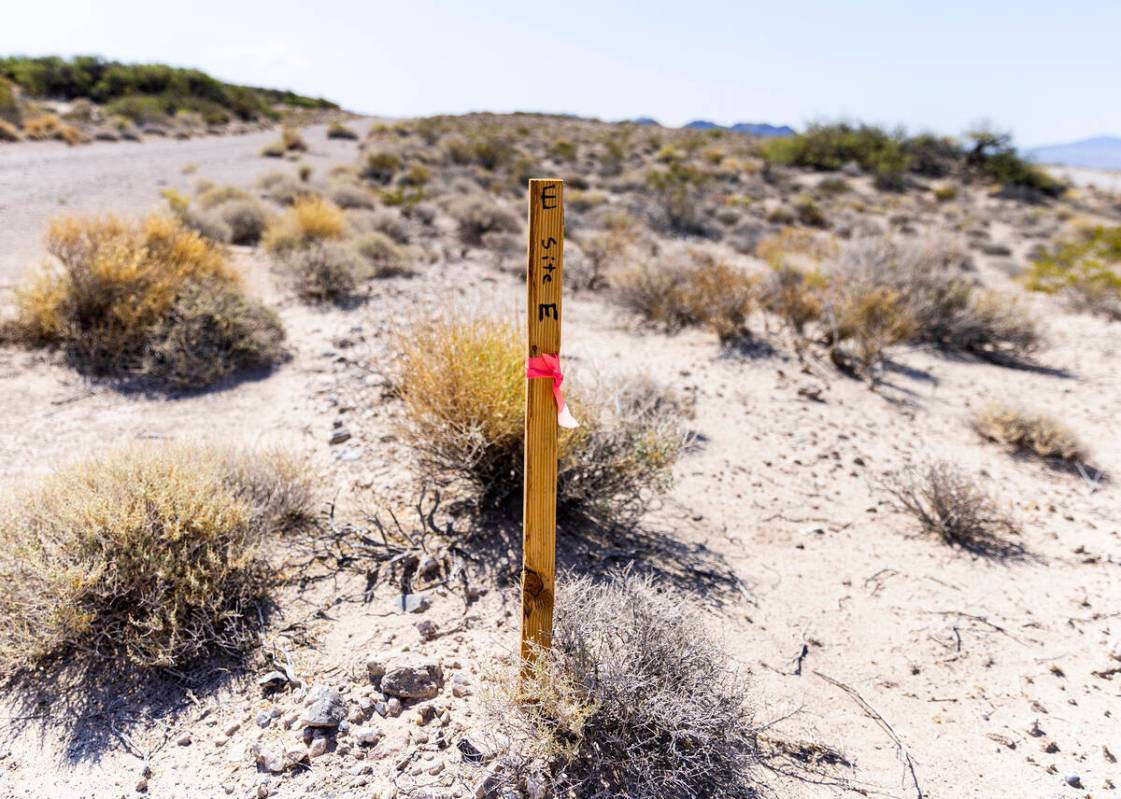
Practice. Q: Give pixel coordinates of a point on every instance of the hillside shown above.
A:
(86, 97)
(1101, 152)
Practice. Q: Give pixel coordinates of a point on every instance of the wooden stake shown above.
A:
(543, 326)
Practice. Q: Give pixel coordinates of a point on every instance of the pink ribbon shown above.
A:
(548, 367)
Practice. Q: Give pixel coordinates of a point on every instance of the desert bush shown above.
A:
(793, 294)
(928, 281)
(292, 140)
(945, 193)
(380, 167)
(870, 318)
(809, 213)
(310, 220)
(282, 188)
(118, 291)
(246, 219)
(685, 288)
(463, 388)
(210, 196)
(992, 155)
(383, 220)
(211, 332)
(1085, 269)
(346, 195)
(830, 147)
(10, 111)
(9, 132)
(324, 271)
(382, 253)
(150, 556)
(476, 215)
(1029, 433)
(676, 190)
(949, 503)
(50, 127)
(338, 130)
(274, 150)
(633, 699)
(933, 156)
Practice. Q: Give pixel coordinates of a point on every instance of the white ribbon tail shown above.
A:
(564, 418)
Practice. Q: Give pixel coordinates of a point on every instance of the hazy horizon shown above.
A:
(1041, 73)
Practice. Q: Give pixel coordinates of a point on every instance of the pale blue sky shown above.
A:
(1047, 71)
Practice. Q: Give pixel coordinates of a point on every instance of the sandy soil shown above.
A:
(985, 672)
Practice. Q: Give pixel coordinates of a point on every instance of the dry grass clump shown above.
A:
(463, 388)
(50, 127)
(477, 215)
(9, 132)
(949, 503)
(152, 556)
(633, 699)
(290, 142)
(686, 288)
(383, 254)
(282, 188)
(310, 220)
(1030, 433)
(346, 195)
(920, 292)
(337, 130)
(144, 299)
(308, 243)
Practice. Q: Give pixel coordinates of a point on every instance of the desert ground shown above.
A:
(903, 667)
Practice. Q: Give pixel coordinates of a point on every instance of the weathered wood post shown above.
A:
(544, 273)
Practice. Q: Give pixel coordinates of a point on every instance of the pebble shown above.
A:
(263, 719)
(325, 708)
(231, 728)
(184, 739)
(318, 747)
(1074, 781)
(412, 677)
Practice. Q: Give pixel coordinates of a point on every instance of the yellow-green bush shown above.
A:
(1087, 269)
(462, 383)
(49, 126)
(117, 292)
(149, 555)
(310, 220)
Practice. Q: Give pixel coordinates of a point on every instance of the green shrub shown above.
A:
(1086, 269)
(677, 192)
(477, 215)
(380, 167)
(993, 156)
(151, 556)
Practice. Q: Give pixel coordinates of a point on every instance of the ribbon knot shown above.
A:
(548, 367)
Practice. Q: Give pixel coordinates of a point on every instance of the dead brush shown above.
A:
(933, 289)
(1034, 434)
(688, 288)
(154, 556)
(144, 299)
(633, 699)
(948, 503)
(463, 389)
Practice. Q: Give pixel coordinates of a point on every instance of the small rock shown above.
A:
(1074, 781)
(262, 790)
(326, 708)
(427, 629)
(318, 747)
(231, 728)
(294, 754)
(263, 719)
(339, 436)
(412, 677)
(393, 707)
(290, 719)
(142, 785)
(270, 757)
(367, 736)
(413, 603)
(184, 739)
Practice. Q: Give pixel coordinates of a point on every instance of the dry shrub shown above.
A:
(1086, 269)
(210, 196)
(478, 215)
(282, 188)
(292, 140)
(1030, 433)
(246, 220)
(927, 283)
(869, 317)
(633, 699)
(686, 288)
(50, 127)
(147, 298)
(149, 555)
(325, 271)
(950, 504)
(463, 387)
(9, 132)
(346, 195)
(337, 130)
(382, 254)
(310, 220)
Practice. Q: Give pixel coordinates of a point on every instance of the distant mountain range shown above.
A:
(1102, 152)
(747, 128)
